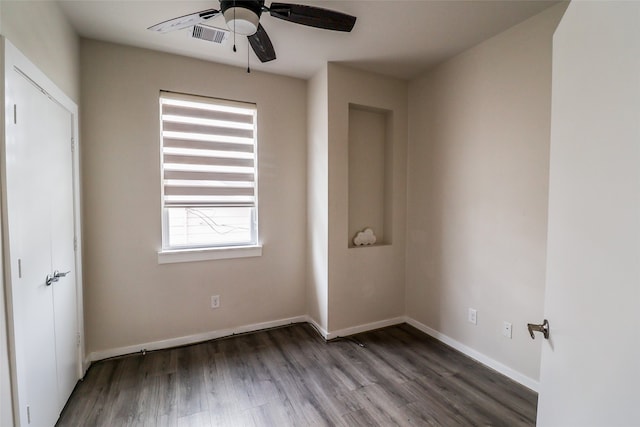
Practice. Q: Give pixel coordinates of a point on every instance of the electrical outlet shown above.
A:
(215, 301)
(473, 316)
(506, 329)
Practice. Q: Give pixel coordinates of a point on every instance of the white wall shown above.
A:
(129, 298)
(40, 31)
(477, 189)
(6, 400)
(318, 199)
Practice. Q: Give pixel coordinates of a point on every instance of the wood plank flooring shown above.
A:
(290, 377)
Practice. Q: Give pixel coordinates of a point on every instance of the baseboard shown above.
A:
(322, 331)
(193, 339)
(354, 329)
(364, 327)
(485, 360)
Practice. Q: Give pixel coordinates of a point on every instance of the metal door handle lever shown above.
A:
(57, 274)
(51, 278)
(544, 328)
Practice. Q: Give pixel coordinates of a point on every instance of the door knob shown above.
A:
(544, 328)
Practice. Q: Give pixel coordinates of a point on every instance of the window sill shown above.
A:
(206, 254)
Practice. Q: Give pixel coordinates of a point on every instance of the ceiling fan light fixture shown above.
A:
(241, 20)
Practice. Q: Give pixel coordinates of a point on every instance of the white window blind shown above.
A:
(209, 171)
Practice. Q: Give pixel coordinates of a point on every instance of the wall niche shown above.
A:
(370, 173)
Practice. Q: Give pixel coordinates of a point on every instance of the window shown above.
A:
(209, 196)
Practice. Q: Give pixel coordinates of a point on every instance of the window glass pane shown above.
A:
(219, 226)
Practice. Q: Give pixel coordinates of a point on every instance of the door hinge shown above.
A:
(19, 269)
(73, 144)
(75, 244)
(15, 114)
(28, 415)
(78, 340)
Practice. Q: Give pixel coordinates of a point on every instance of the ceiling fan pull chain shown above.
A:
(248, 69)
(234, 27)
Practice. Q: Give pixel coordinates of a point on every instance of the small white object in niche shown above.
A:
(364, 237)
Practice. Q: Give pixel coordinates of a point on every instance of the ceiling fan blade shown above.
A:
(313, 16)
(261, 44)
(184, 21)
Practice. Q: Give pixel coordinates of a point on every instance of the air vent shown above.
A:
(210, 34)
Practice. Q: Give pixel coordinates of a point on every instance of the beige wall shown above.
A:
(129, 298)
(369, 193)
(40, 31)
(349, 287)
(366, 284)
(478, 186)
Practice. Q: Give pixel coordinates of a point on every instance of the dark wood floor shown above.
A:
(291, 377)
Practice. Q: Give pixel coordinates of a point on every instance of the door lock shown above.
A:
(544, 328)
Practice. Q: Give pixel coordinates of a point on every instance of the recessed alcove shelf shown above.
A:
(370, 172)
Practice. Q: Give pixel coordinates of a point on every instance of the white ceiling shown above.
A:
(394, 37)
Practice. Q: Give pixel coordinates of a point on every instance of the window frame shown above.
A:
(173, 254)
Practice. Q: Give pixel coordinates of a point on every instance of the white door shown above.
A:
(63, 254)
(590, 372)
(40, 229)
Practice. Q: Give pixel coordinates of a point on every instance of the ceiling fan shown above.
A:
(243, 18)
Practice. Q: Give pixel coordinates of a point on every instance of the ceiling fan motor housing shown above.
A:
(242, 16)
